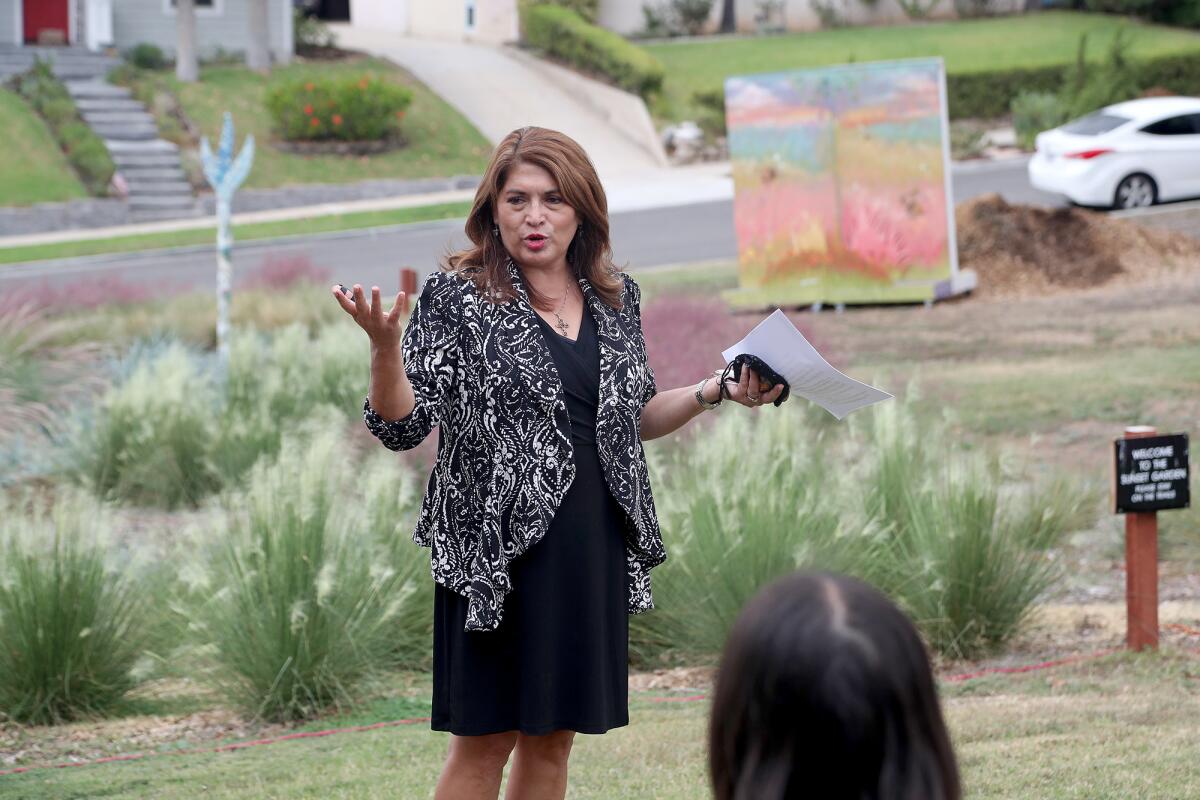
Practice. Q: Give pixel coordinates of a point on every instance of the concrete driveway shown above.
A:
(499, 93)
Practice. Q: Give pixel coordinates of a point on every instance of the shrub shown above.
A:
(1123, 7)
(990, 94)
(1034, 112)
(84, 149)
(828, 12)
(146, 56)
(301, 607)
(584, 8)
(88, 155)
(58, 111)
(712, 111)
(72, 628)
(917, 9)
(368, 108)
(692, 14)
(312, 34)
(678, 17)
(565, 35)
(974, 8)
(966, 140)
(1087, 90)
(1185, 13)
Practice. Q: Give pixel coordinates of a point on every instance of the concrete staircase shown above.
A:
(149, 165)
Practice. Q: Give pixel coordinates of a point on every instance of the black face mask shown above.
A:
(765, 373)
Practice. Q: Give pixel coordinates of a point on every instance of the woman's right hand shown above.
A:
(383, 329)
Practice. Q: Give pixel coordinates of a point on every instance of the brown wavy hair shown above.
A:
(590, 253)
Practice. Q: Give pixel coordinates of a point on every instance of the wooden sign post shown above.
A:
(1151, 475)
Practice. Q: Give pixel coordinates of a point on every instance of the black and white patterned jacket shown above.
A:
(483, 372)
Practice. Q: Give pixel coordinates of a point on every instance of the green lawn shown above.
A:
(1112, 729)
(440, 141)
(32, 167)
(1029, 40)
(258, 230)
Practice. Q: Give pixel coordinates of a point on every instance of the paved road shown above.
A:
(699, 232)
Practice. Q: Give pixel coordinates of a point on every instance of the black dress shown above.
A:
(559, 660)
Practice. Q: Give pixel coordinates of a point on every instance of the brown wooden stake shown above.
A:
(1141, 569)
(408, 285)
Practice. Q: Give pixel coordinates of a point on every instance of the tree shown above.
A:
(728, 17)
(187, 70)
(258, 54)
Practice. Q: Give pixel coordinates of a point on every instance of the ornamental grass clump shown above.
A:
(278, 379)
(963, 547)
(336, 108)
(752, 499)
(45, 372)
(71, 627)
(150, 440)
(387, 501)
(968, 556)
(303, 603)
(171, 432)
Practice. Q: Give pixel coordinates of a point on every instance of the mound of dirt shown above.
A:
(1022, 251)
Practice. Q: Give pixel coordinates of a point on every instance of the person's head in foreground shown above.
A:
(825, 691)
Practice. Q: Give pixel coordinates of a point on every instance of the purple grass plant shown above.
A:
(685, 334)
(282, 270)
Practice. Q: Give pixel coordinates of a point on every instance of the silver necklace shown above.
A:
(561, 323)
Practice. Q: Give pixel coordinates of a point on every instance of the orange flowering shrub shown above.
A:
(366, 108)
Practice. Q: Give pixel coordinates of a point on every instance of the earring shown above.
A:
(496, 231)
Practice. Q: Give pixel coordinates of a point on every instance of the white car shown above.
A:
(1126, 155)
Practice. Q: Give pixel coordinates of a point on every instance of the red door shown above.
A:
(41, 15)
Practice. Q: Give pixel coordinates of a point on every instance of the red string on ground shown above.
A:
(1176, 626)
(686, 699)
(1058, 662)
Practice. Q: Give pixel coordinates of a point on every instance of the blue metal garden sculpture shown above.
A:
(225, 174)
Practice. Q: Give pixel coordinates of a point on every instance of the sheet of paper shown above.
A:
(776, 341)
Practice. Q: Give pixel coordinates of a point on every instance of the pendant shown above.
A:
(561, 324)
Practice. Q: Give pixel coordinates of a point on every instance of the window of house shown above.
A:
(204, 8)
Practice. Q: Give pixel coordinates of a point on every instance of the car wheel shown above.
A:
(1136, 191)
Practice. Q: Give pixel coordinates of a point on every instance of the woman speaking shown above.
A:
(526, 350)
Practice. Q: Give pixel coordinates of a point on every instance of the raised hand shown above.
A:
(383, 329)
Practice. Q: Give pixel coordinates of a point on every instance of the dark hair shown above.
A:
(825, 691)
(590, 252)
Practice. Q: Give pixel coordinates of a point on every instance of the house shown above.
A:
(221, 25)
(475, 20)
(497, 20)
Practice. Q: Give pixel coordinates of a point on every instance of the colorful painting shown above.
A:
(842, 184)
